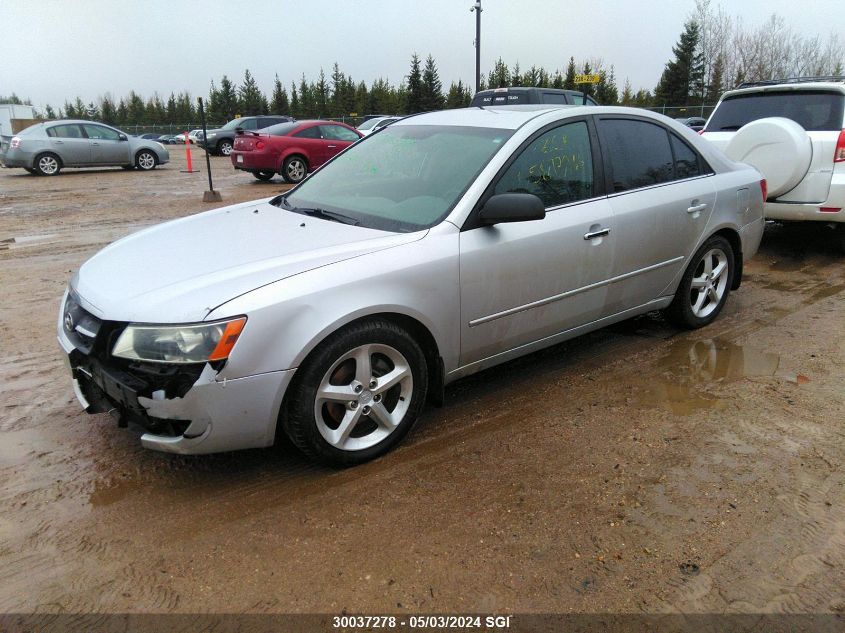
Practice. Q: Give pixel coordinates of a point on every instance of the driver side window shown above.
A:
(557, 167)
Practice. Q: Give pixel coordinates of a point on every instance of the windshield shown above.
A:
(280, 129)
(231, 125)
(369, 123)
(405, 178)
(812, 110)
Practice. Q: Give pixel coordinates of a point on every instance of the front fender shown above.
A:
(289, 318)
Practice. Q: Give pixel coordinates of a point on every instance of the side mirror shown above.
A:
(123, 137)
(512, 207)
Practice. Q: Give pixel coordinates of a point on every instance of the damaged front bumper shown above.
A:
(193, 411)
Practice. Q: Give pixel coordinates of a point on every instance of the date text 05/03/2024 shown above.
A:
(422, 622)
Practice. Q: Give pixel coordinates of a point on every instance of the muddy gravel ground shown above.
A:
(640, 469)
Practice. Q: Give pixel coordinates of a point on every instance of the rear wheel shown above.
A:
(705, 286)
(294, 169)
(357, 395)
(47, 165)
(264, 175)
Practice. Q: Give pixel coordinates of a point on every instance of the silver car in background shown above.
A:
(447, 243)
(48, 147)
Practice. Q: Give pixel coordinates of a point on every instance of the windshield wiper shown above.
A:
(282, 201)
(326, 215)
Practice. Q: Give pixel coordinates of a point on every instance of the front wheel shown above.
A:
(145, 160)
(264, 175)
(294, 169)
(705, 286)
(357, 395)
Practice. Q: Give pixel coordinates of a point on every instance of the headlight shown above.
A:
(191, 343)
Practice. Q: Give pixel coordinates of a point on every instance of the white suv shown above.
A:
(793, 131)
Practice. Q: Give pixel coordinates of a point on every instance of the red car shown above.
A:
(290, 149)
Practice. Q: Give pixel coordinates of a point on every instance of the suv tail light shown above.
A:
(16, 142)
(838, 154)
(764, 188)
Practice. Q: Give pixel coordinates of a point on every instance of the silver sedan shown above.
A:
(447, 243)
(45, 148)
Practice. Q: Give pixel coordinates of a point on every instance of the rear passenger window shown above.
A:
(309, 132)
(557, 167)
(686, 160)
(638, 152)
(65, 131)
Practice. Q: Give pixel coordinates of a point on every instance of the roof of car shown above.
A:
(838, 86)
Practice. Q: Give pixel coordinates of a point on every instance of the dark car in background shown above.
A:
(695, 123)
(220, 141)
(527, 95)
(291, 149)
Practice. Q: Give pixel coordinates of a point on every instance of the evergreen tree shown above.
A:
(681, 81)
(49, 113)
(306, 99)
(295, 106)
(213, 106)
(338, 87)
(500, 76)
(459, 96)
(135, 109)
(321, 96)
(432, 88)
(606, 91)
(362, 99)
(108, 111)
(516, 76)
(279, 103)
(558, 81)
(415, 90)
(185, 113)
(627, 94)
(569, 79)
(251, 100)
(717, 79)
(122, 113)
(227, 100)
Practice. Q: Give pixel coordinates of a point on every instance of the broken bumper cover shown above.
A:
(217, 415)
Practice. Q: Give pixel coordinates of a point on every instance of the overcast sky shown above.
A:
(53, 50)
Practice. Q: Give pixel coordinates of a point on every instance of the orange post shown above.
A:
(190, 169)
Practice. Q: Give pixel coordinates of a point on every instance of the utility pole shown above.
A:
(477, 8)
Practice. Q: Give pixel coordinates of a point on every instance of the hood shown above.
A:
(179, 271)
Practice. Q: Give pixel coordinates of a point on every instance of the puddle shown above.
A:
(689, 369)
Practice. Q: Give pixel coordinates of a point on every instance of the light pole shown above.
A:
(477, 8)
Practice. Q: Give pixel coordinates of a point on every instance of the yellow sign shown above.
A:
(587, 79)
(353, 114)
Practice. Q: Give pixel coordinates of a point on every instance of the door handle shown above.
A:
(696, 208)
(59, 142)
(595, 234)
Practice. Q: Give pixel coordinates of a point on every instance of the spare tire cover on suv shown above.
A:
(779, 148)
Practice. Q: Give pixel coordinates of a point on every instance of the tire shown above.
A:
(360, 420)
(779, 148)
(146, 160)
(224, 147)
(264, 175)
(705, 286)
(294, 169)
(47, 164)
